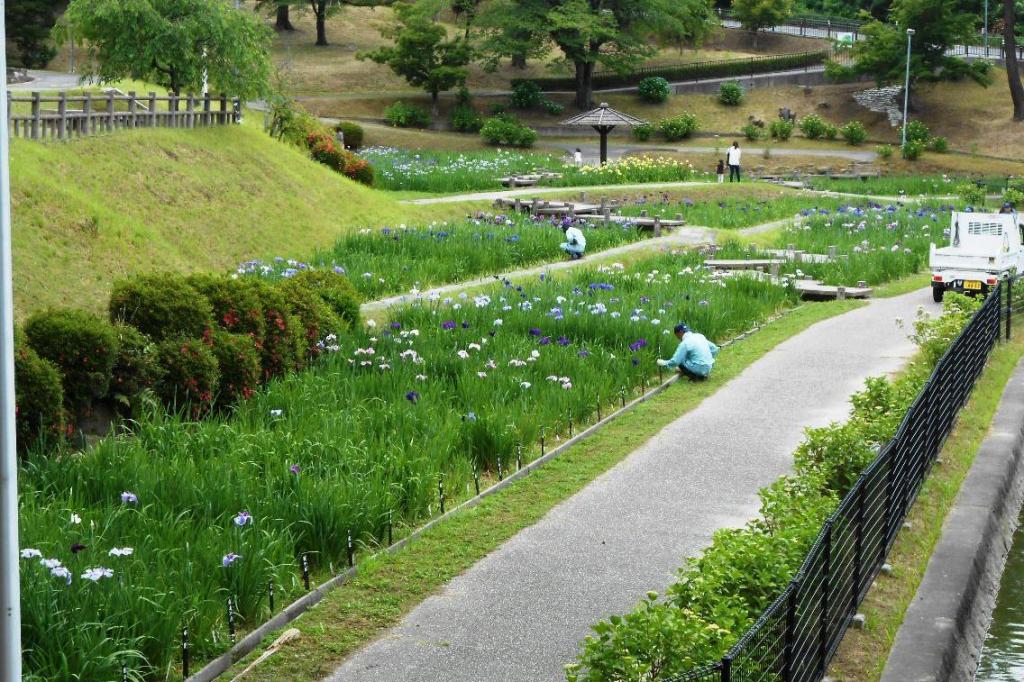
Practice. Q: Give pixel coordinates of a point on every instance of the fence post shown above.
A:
(87, 114)
(790, 638)
(132, 110)
(223, 118)
(726, 668)
(190, 107)
(206, 108)
(858, 559)
(35, 116)
(62, 111)
(826, 585)
(1009, 305)
(110, 112)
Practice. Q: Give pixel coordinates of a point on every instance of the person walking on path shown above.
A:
(575, 243)
(577, 157)
(733, 159)
(720, 171)
(695, 355)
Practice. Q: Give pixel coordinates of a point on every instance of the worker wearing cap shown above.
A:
(695, 355)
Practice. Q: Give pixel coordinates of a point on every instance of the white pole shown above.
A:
(10, 604)
(986, 28)
(906, 87)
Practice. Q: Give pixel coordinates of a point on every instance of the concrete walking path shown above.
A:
(520, 613)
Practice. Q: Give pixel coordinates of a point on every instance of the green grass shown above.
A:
(735, 213)
(388, 588)
(89, 211)
(909, 185)
(863, 653)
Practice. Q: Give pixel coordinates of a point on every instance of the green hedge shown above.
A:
(726, 68)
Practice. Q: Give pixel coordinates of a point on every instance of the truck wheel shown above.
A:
(937, 293)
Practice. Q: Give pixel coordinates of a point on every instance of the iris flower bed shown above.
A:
(450, 172)
(734, 213)
(394, 260)
(129, 541)
(910, 185)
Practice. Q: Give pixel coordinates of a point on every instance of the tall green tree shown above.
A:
(615, 34)
(938, 25)
(756, 15)
(422, 53)
(173, 43)
(27, 24)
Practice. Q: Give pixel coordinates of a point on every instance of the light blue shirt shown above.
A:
(695, 353)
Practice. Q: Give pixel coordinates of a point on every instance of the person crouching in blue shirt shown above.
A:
(695, 355)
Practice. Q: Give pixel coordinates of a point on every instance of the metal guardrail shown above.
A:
(86, 114)
(795, 639)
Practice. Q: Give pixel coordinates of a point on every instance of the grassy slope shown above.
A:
(93, 210)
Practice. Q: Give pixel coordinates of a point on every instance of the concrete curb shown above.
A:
(944, 627)
(252, 640)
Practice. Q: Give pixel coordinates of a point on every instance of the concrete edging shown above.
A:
(945, 625)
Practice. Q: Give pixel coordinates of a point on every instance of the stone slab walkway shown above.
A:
(519, 614)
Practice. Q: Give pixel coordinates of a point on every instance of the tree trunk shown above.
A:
(584, 84)
(320, 9)
(1012, 66)
(519, 61)
(284, 21)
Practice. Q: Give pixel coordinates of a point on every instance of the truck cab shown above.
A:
(983, 249)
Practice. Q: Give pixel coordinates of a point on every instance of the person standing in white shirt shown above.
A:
(577, 157)
(733, 159)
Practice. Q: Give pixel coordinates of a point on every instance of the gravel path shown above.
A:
(519, 613)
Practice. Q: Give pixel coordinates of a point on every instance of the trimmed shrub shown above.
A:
(643, 131)
(136, 368)
(505, 129)
(353, 133)
(1014, 197)
(236, 305)
(731, 94)
(404, 115)
(191, 376)
(679, 127)
(854, 133)
(781, 130)
(831, 132)
(38, 397)
(752, 132)
(884, 151)
(813, 127)
(280, 350)
(82, 345)
(336, 291)
(239, 364)
(465, 119)
(323, 149)
(916, 132)
(912, 150)
(525, 95)
(939, 145)
(161, 306)
(314, 319)
(654, 90)
(553, 108)
(970, 193)
(359, 170)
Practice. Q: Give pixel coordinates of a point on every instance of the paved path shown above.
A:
(47, 80)
(519, 613)
(591, 151)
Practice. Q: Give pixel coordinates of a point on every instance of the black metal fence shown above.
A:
(795, 638)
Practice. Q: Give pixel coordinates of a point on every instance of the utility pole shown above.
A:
(906, 88)
(10, 597)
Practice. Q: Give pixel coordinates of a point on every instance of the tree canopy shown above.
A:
(615, 34)
(422, 53)
(27, 25)
(755, 15)
(173, 43)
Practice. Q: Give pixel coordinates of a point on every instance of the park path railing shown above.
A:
(65, 116)
(795, 639)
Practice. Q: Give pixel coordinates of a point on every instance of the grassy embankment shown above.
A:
(90, 211)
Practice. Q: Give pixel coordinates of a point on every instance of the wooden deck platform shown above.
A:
(528, 180)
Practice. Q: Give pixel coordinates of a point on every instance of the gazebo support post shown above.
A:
(603, 132)
(603, 120)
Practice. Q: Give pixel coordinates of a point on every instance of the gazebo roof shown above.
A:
(603, 116)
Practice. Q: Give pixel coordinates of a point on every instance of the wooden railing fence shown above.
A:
(66, 116)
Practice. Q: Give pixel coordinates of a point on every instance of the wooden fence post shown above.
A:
(152, 109)
(173, 106)
(223, 118)
(35, 116)
(236, 110)
(86, 113)
(110, 112)
(62, 111)
(132, 112)
(190, 107)
(206, 108)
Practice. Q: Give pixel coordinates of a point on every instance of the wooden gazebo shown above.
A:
(603, 120)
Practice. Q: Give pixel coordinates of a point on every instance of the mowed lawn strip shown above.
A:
(389, 587)
(863, 653)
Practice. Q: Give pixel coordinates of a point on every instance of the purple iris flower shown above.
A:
(545, 340)
(535, 331)
(465, 325)
(243, 518)
(449, 324)
(396, 325)
(412, 397)
(129, 497)
(295, 469)
(563, 341)
(584, 353)
(229, 559)
(637, 345)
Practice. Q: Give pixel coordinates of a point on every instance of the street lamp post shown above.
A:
(10, 604)
(906, 88)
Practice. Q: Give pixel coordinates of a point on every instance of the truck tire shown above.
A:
(937, 293)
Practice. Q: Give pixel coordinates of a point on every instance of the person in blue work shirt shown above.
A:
(695, 355)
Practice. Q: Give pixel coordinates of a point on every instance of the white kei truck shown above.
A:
(983, 249)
